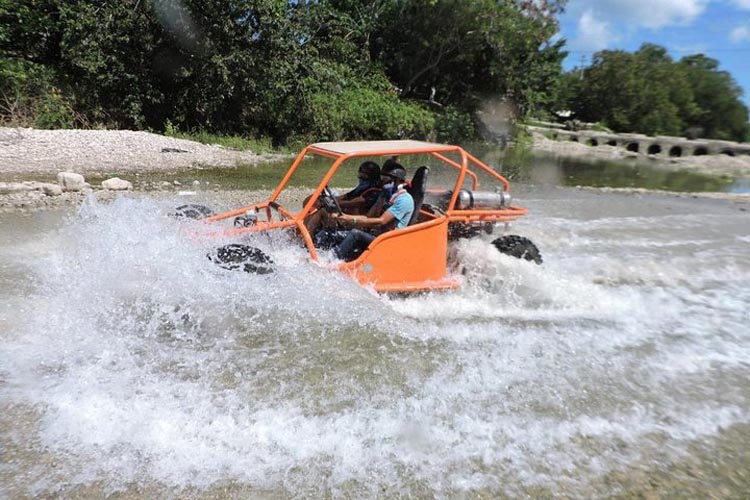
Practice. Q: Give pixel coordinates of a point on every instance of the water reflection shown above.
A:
(535, 169)
(577, 172)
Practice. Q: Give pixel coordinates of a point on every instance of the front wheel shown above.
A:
(238, 257)
(519, 247)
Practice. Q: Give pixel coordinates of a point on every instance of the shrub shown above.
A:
(453, 126)
(53, 111)
(364, 113)
(28, 97)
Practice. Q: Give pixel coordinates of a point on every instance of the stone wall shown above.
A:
(660, 146)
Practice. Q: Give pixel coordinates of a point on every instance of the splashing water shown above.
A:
(129, 362)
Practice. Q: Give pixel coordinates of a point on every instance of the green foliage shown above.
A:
(170, 130)
(335, 69)
(453, 125)
(718, 108)
(52, 111)
(236, 142)
(468, 51)
(363, 113)
(28, 97)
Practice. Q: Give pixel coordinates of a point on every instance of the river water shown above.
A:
(130, 365)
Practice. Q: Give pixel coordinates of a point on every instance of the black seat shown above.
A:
(417, 190)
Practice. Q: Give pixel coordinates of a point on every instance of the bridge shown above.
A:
(659, 146)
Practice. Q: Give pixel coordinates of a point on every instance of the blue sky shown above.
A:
(718, 28)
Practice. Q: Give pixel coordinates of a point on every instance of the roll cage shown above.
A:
(465, 166)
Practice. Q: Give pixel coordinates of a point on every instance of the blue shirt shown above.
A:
(401, 207)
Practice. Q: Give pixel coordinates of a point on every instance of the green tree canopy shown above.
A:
(648, 92)
(325, 69)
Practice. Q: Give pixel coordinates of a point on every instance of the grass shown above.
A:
(236, 142)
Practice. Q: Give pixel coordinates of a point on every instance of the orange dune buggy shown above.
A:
(448, 205)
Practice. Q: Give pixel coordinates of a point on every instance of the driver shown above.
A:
(398, 211)
(357, 201)
(363, 196)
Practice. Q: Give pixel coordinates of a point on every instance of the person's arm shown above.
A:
(352, 203)
(358, 221)
(377, 207)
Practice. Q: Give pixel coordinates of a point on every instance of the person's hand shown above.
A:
(343, 219)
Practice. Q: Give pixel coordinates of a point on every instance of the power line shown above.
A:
(681, 51)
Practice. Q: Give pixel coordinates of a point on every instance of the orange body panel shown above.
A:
(407, 259)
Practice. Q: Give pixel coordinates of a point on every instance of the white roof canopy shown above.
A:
(381, 147)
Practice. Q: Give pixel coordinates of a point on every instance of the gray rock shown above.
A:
(52, 189)
(117, 184)
(71, 181)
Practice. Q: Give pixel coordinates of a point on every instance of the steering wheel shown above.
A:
(329, 201)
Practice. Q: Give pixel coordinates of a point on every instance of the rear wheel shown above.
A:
(192, 211)
(519, 247)
(238, 257)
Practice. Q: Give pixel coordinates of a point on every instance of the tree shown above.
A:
(648, 92)
(719, 111)
(470, 50)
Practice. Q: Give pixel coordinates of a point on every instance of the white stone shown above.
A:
(52, 189)
(117, 184)
(196, 184)
(71, 181)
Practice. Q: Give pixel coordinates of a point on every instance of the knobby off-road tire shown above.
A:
(238, 257)
(519, 247)
(192, 211)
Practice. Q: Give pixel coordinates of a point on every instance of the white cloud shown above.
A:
(742, 4)
(643, 13)
(593, 33)
(740, 34)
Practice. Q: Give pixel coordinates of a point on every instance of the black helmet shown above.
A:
(370, 170)
(398, 173)
(394, 169)
(390, 164)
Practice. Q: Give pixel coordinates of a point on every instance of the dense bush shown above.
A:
(29, 98)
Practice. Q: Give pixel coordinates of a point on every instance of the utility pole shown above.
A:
(583, 61)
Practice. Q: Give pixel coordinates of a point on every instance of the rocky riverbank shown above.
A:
(25, 152)
(49, 168)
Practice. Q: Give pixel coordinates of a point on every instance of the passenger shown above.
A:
(377, 208)
(398, 211)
